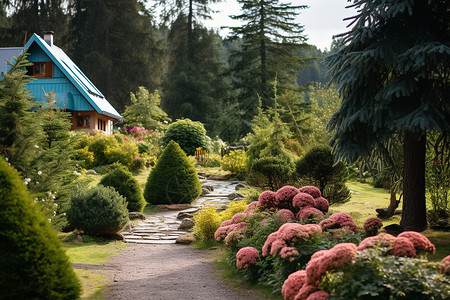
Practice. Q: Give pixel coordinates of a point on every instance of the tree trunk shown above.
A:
(414, 216)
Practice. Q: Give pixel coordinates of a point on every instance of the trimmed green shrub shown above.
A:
(32, 263)
(98, 211)
(173, 180)
(274, 172)
(126, 185)
(188, 134)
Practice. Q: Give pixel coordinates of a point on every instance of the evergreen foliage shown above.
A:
(173, 180)
(188, 134)
(393, 75)
(33, 264)
(98, 211)
(126, 185)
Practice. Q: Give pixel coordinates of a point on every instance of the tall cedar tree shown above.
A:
(34, 16)
(193, 84)
(271, 40)
(115, 46)
(393, 74)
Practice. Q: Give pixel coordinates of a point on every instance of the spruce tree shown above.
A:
(393, 75)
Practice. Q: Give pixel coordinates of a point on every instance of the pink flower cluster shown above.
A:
(337, 221)
(303, 285)
(246, 256)
(303, 200)
(252, 207)
(285, 215)
(286, 236)
(444, 266)
(232, 230)
(408, 243)
(268, 201)
(312, 190)
(309, 213)
(372, 225)
(285, 195)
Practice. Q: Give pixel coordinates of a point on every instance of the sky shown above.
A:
(322, 20)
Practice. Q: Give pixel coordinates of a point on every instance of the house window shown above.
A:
(83, 121)
(101, 125)
(41, 69)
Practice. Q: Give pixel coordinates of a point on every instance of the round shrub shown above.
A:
(186, 133)
(98, 211)
(173, 180)
(32, 263)
(276, 172)
(126, 185)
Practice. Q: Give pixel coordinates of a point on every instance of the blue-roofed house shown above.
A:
(55, 71)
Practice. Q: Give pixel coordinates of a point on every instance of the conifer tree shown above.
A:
(393, 74)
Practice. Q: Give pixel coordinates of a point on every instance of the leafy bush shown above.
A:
(235, 162)
(32, 262)
(126, 185)
(188, 134)
(377, 277)
(173, 180)
(214, 160)
(275, 171)
(98, 211)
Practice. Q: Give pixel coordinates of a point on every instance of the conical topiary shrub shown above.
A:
(126, 185)
(173, 180)
(32, 263)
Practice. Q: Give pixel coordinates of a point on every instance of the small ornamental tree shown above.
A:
(126, 185)
(187, 133)
(32, 263)
(173, 180)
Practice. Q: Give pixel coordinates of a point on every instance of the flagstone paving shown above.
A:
(162, 227)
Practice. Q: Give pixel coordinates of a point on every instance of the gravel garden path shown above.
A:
(154, 267)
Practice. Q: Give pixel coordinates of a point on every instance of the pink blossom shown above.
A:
(305, 291)
(292, 232)
(276, 246)
(285, 195)
(309, 213)
(403, 247)
(289, 253)
(381, 240)
(312, 229)
(312, 190)
(321, 203)
(293, 284)
(444, 266)
(302, 200)
(372, 225)
(318, 254)
(269, 241)
(339, 220)
(221, 232)
(421, 243)
(254, 206)
(234, 236)
(267, 200)
(285, 215)
(245, 257)
(239, 217)
(140, 138)
(226, 223)
(319, 295)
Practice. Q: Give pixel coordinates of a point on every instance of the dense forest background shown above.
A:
(220, 81)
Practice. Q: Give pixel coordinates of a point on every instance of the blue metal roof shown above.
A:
(6, 54)
(86, 88)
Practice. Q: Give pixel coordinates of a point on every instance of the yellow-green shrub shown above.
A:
(235, 162)
(233, 208)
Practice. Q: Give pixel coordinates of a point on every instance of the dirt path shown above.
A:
(169, 272)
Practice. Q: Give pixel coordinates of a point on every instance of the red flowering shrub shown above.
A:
(305, 291)
(421, 243)
(312, 190)
(239, 217)
(267, 200)
(302, 200)
(309, 213)
(319, 295)
(226, 223)
(322, 204)
(372, 225)
(383, 240)
(285, 215)
(223, 231)
(403, 247)
(245, 257)
(293, 284)
(444, 266)
(339, 220)
(285, 195)
(289, 253)
(252, 207)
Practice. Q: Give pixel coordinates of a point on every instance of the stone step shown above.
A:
(151, 241)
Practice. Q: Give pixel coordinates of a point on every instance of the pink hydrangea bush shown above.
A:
(372, 225)
(312, 190)
(246, 257)
(285, 215)
(421, 242)
(305, 291)
(444, 266)
(289, 253)
(381, 240)
(268, 201)
(403, 247)
(293, 284)
(309, 213)
(252, 207)
(284, 196)
(322, 204)
(303, 200)
(339, 220)
(319, 295)
(223, 231)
